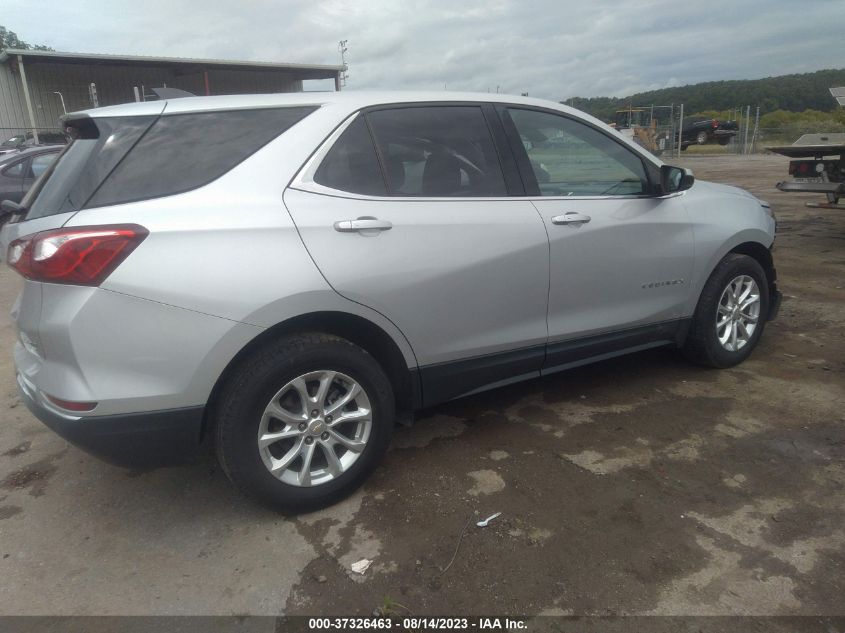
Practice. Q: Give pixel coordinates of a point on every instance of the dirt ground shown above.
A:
(641, 485)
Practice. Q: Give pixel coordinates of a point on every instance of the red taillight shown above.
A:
(715, 123)
(70, 405)
(82, 256)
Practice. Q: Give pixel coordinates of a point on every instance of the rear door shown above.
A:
(407, 210)
(621, 258)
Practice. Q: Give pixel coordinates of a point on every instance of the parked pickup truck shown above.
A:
(698, 130)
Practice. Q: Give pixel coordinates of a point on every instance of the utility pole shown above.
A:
(341, 46)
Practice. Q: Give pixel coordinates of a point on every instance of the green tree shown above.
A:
(793, 93)
(10, 39)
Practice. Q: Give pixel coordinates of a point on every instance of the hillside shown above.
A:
(793, 93)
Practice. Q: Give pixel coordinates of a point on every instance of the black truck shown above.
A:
(699, 130)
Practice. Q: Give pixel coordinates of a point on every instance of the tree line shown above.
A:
(788, 93)
(10, 39)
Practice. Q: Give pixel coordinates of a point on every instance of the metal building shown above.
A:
(37, 87)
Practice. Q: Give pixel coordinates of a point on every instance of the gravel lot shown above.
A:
(641, 485)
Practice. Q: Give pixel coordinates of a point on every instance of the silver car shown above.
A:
(287, 275)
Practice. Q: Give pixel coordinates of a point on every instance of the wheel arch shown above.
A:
(760, 253)
(352, 327)
(748, 242)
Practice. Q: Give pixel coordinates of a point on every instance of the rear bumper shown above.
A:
(135, 440)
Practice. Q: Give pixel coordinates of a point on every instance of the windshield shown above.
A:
(14, 141)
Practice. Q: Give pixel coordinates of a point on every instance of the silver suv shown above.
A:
(287, 275)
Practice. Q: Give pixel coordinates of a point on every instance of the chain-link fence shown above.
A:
(667, 131)
(759, 140)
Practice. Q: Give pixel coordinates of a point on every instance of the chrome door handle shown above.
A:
(572, 217)
(362, 224)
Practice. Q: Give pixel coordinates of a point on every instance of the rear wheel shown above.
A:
(701, 138)
(303, 421)
(731, 313)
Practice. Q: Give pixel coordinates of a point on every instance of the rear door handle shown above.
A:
(572, 217)
(362, 224)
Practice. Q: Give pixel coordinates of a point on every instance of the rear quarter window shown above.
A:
(181, 152)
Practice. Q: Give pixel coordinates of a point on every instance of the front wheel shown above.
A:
(731, 313)
(303, 421)
(701, 138)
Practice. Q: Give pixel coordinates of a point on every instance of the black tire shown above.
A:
(251, 386)
(702, 345)
(701, 138)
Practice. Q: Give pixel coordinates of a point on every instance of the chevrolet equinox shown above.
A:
(287, 275)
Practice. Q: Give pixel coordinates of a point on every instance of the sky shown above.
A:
(553, 49)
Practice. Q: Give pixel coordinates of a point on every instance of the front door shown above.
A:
(621, 258)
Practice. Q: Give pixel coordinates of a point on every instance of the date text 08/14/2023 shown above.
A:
(418, 623)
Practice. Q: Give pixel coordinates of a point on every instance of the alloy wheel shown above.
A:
(314, 428)
(738, 313)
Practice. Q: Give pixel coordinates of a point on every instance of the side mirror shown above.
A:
(674, 179)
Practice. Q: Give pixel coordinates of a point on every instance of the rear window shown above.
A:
(70, 181)
(14, 141)
(126, 159)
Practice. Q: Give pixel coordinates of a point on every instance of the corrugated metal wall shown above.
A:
(114, 86)
(12, 108)
(238, 82)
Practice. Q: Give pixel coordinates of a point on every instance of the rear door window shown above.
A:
(352, 164)
(437, 151)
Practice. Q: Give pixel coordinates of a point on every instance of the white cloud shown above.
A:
(551, 49)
